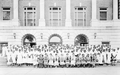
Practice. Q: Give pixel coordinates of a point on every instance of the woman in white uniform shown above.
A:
(13, 57)
(51, 60)
(56, 60)
(9, 59)
(73, 60)
(19, 60)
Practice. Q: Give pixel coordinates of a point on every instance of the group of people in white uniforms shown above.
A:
(60, 55)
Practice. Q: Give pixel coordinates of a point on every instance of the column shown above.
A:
(68, 13)
(94, 9)
(15, 10)
(15, 13)
(115, 9)
(42, 9)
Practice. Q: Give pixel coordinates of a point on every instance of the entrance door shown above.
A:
(2, 46)
(81, 40)
(29, 40)
(55, 40)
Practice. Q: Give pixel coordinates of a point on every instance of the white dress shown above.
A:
(118, 55)
(35, 58)
(14, 57)
(73, 60)
(20, 59)
(51, 60)
(108, 57)
(9, 58)
(56, 61)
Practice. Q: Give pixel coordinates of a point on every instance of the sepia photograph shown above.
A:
(59, 37)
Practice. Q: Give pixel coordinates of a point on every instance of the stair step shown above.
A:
(3, 61)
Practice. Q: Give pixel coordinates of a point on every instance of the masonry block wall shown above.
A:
(105, 30)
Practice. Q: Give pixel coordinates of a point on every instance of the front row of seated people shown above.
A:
(61, 55)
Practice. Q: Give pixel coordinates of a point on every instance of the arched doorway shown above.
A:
(55, 39)
(29, 39)
(81, 40)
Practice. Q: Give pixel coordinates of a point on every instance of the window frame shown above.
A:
(118, 9)
(84, 18)
(34, 15)
(59, 14)
(105, 10)
(105, 42)
(6, 11)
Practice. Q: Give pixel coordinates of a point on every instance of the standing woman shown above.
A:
(67, 59)
(19, 60)
(56, 60)
(62, 63)
(45, 60)
(13, 57)
(51, 60)
(9, 58)
(73, 60)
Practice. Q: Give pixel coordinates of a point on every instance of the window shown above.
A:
(118, 9)
(103, 13)
(6, 13)
(80, 16)
(29, 16)
(55, 16)
(106, 42)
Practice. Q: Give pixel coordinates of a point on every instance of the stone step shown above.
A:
(3, 61)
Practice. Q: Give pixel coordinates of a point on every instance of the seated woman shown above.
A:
(73, 60)
(67, 60)
(51, 60)
(77, 61)
(56, 60)
(62, 61)
(40, 61)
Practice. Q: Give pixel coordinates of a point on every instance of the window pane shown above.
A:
(103, 15)
(80, 22)
(6, 8)
(6, 15)
(80, 15)
(55, 22)
(75, 15)
(25, 15)
(103, 8)
(84, 15)
(106, 43)
(55, 15)
(30, 8)
(80, 8)
(29, 15)
(84, 22)
(30, 22)
(118, 9)
(25, 22)
(55, 8)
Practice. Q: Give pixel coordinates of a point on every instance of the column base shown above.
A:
(94, 22)
(68, 22)
(15, 22)
(42, 22)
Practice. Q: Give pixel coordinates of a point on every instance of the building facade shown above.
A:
(38, 22)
